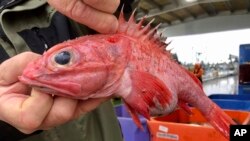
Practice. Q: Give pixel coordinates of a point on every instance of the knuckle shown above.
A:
(27, 54)
(30, 125)
(3, 65)
(108, 6)
(3, 76)
(63, 116)
(78, 10)
(91, 2)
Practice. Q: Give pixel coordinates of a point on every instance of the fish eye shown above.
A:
(63, 58)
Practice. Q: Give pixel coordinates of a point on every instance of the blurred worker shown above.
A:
(198, 71)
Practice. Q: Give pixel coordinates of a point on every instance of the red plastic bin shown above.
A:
(183, 127)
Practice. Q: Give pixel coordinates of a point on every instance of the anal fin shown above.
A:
(134, 116)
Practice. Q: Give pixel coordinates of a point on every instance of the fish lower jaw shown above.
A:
(46, 88)
(53, 91)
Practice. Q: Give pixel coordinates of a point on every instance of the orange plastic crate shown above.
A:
(183, 127)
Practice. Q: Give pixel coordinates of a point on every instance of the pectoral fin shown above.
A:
(148, 96)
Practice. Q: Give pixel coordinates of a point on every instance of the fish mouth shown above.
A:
(47, 87)
(44, 89)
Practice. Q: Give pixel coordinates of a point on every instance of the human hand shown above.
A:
(28, 109)
(96, 14)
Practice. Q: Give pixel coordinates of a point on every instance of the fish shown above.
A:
(133, 64)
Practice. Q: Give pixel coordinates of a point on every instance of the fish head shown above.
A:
(75, 68)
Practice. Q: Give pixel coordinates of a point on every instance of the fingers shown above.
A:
(34, 110)
(108, 6)
(86, 106)
(18, 88)
(14, 66)
(38, 111)
(24, 112)
(41, 111)
(101, 22)
(62, 111)
(95, 16)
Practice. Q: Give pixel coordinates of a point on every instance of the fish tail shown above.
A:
(218, 119)
(211, 111)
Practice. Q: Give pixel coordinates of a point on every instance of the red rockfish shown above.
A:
(132, 64)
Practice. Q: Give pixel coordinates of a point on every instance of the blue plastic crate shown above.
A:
(121, 111)
(129, 130)
(244, 89)
(230, 96)
(244, 53)
(233, 104)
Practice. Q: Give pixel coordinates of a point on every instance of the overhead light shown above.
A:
(191, 0)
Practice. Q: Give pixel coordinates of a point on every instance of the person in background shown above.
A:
(198, 71)
(28, 28)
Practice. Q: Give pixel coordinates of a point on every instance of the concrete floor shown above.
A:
(225, 85)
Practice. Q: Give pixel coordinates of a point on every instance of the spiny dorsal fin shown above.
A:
(136, 30)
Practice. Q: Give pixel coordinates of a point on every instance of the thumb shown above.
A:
(13, 67)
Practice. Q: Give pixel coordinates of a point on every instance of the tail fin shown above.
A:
(218, 118)
(213, 113)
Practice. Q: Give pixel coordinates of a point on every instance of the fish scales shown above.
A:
(132, 64)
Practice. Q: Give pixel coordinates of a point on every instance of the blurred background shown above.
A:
(209, 32)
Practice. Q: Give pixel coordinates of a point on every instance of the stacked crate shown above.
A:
(244, 69)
